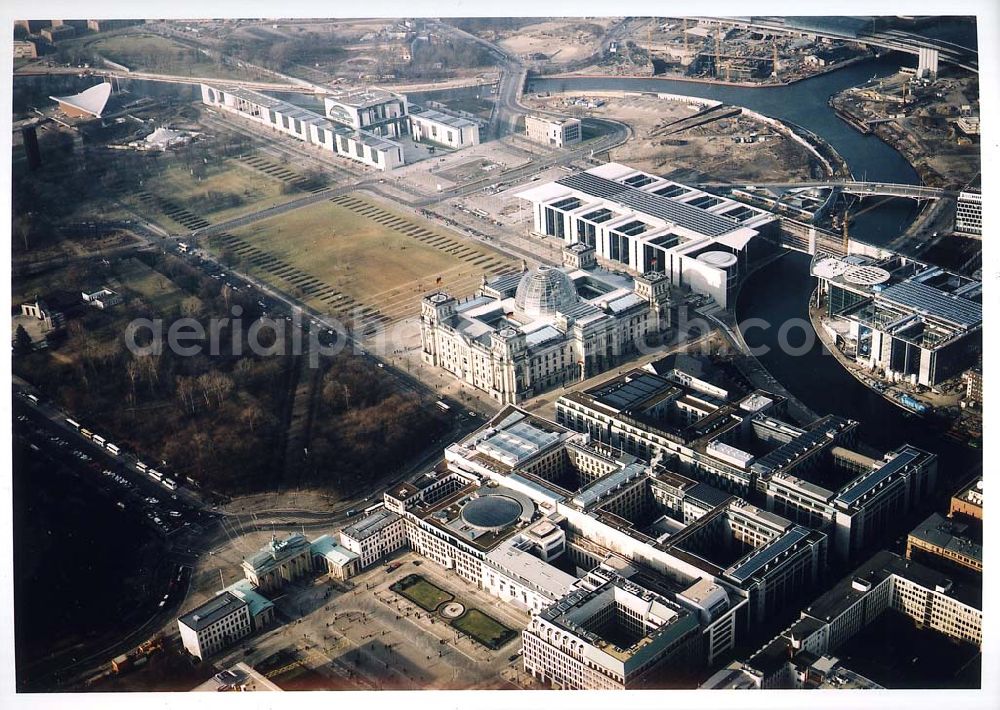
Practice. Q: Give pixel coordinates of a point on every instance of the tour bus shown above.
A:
(73, 424)
(141, 466)
(442, 406)
(169, 483)
(155, 474)
(113, 449)
(86, 433)
(99, 440)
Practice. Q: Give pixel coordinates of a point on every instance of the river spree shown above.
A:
(781, 291)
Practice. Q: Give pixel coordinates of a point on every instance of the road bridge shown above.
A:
(861, 188)
(929, 52)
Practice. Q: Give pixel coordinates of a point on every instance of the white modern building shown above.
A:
(969, 213)
(902, 319)
(361, 143)
(215, 625)
(559, 132)
(644, 223)
(443, 128)
(524, 333)
(373, 110)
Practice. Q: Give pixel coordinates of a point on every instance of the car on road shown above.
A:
(174, 514)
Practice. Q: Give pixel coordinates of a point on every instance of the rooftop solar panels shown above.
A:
(757, 560)
(631, 393)
(788, 452)
(931, 301)
(664, 208)
(854, 492)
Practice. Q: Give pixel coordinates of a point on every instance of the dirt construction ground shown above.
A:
(709, 150)
(562, 41)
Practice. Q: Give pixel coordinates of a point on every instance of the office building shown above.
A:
(973, 378)
(806, 474)
(374, 536)
(559, 132)
(524, 333)
(376, 111)
(526, 508)
(945, 544)
(969, 213)
(442, 128)
(215, 625)
(886, 581)
(609, 634)
(642, 223)
(338, 137)
(900, 318)
(967, 504)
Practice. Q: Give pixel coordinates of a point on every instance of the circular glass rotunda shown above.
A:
(544, 291)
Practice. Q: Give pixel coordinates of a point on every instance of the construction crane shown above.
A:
(774, 57)
(846, 238)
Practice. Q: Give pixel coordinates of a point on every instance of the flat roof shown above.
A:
(931, 301)
(216, 608)
(371, 524)
(757, 560)
(446, 119)
(876, 570)
(541, 575)
(868, 481)
(665, 208)
(636, 390)
(515, 443)
(948, 535)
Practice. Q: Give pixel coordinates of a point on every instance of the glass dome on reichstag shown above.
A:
(544, 291)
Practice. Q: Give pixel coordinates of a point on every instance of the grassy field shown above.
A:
(484, 629)
(161, 55)
(227, 178)
(155, 288)
(421, 592)
(374, 256)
